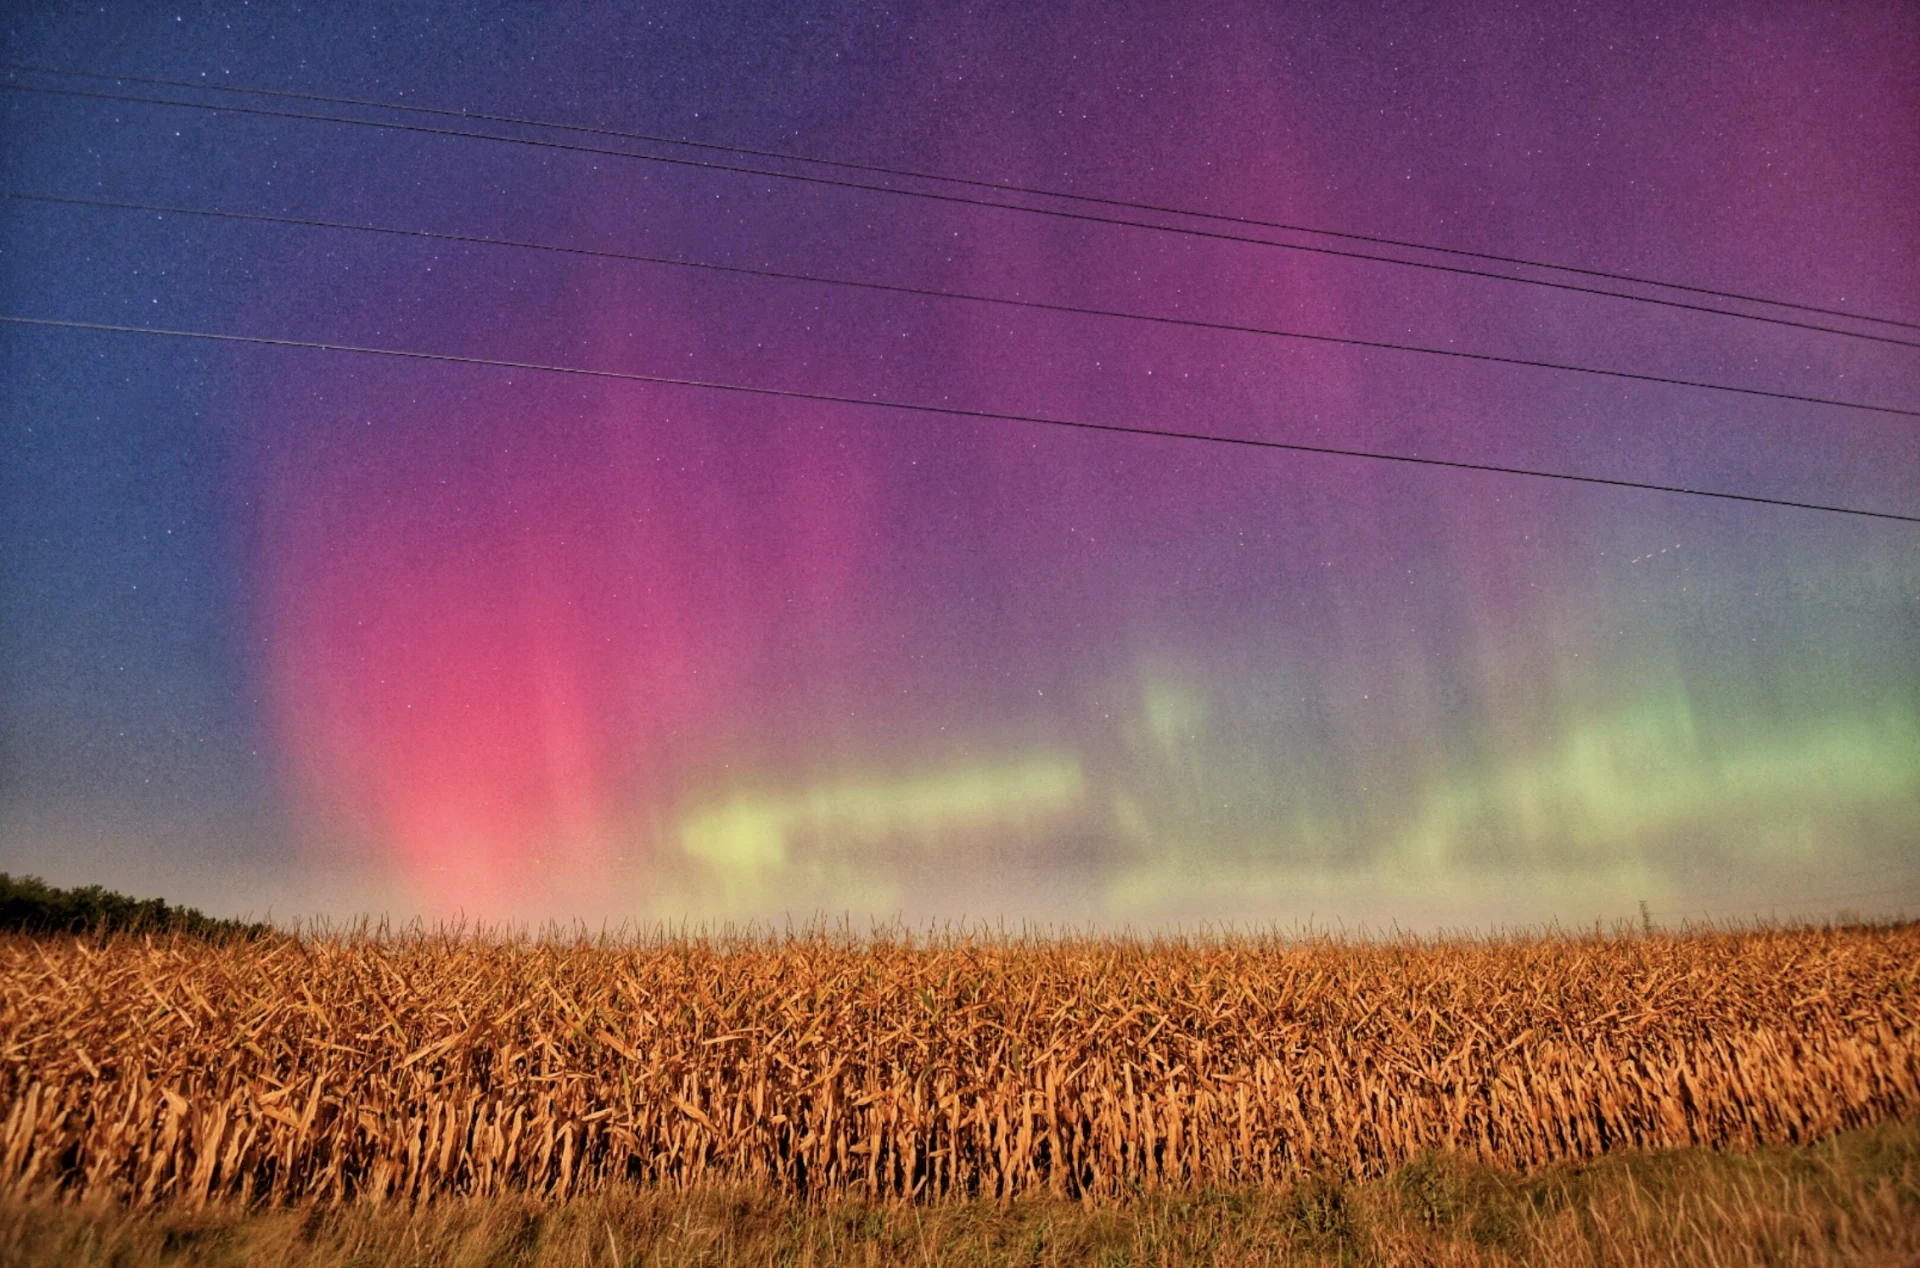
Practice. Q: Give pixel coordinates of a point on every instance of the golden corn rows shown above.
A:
(402, 1068)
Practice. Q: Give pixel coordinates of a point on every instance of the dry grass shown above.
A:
(317, 1070)
(1851, 1200)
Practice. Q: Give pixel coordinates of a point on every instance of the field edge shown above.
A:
(1851, 1199)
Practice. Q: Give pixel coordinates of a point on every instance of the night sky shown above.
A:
(318, 633)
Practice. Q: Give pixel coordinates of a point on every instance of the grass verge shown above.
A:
(1853, 1199)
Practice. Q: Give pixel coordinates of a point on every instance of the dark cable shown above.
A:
(1003, 186)
(1722, 891)
(949, 411)
(957, 199)
(1817, 900)
(932, 293)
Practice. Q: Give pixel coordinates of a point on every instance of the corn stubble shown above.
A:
(173, 1072)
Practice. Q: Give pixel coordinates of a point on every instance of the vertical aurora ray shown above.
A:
(521, 629)
(535, 646)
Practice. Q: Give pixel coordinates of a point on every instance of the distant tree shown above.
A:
(30, 905)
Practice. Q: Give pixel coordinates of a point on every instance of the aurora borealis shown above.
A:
(326, 633)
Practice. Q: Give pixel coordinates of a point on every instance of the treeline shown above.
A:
(30, 905)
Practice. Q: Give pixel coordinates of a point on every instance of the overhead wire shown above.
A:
(1898, 892)
(966, 296)
(971, 182)
(1847, 876)
(956, 199)
(954, 411)
(987, 415)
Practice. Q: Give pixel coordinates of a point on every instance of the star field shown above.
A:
(327, 633)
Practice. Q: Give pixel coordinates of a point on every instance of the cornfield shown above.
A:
(316, 1069)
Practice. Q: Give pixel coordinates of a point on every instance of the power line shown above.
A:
(956, 199)
(1849, 875)
(972, 182)
(936, 293)
(1883, 892)
(950, 411)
